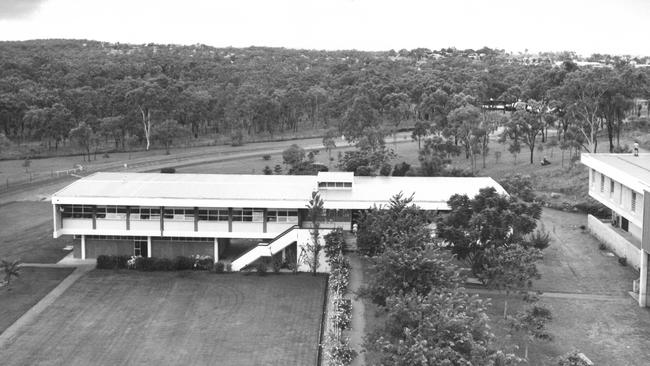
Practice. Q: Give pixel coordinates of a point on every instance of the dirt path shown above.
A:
(357, 330)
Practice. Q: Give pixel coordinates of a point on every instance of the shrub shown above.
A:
(219, 267)
(121, 261)
(105, 262)
(228, 267)
(163, 264)
(540, 239)
(572, 358)
(145, 264)
(266, 156)
(276, 263)
(183, 263)
(168, 170)
(602, 246)
(261, 267)
(106, 156)
(622, 261)
(342, 316)
(202, 262)
(339, 351)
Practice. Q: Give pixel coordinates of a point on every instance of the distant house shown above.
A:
(622, 183)
(167, 215)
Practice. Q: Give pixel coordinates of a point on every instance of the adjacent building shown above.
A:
(621, 182)
(169, 215)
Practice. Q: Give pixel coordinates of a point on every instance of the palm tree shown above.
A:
(11, 269)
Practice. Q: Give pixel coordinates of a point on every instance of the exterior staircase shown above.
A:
(269, 249)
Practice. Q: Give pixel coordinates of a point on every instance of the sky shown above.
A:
(586, 27)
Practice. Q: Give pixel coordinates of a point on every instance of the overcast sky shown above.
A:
(586, 27)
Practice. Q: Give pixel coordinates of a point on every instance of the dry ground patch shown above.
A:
(174, 318)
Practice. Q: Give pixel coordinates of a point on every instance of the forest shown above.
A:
(122, 96)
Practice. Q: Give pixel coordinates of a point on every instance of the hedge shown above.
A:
(200, 263)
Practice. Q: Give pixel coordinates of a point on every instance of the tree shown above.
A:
(420, 130)
(509, 268)
(381, 228)
(524, 126)
(11, 269)
(293, 155)
(463, 125)
(313, 248)
(436, 154)
(400, 169)
(167, 131)
(267, 170)
(148, 97)
(84, 136)
(407, 267)
(329, 142)
(445, 327)
(358, 117)
(277, 169)
(489, 219)
(531, 322)
(334, 244)
(519, 186)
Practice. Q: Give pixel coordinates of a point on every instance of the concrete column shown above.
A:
(128, 218)
(148, 247)
(83, 247)
(216, 250)
(265, 211)
(229, 219)
(162, 220)
(196, 219)
(94, 217)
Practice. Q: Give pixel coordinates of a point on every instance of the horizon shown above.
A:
(586, 28)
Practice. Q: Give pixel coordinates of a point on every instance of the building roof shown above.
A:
(632, 171)
(271, 191)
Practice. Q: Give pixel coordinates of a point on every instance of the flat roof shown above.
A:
(632, 171)
(270, 191)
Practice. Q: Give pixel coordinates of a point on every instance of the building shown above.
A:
(168, 215)
(621, 182)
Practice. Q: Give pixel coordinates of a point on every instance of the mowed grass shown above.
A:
(176, 318)
(25, 291)
(26, 233)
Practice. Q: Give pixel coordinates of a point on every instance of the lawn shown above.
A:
(26, 290)
(174, 318)
(26, 233)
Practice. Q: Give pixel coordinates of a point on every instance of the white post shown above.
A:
(216, 250)
(83, 247)
(643, 279)
(148, 247)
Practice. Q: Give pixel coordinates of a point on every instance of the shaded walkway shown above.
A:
(357, 329)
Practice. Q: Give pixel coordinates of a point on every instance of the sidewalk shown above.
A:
(357, 329)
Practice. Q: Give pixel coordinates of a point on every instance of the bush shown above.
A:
(121, 261)
(145, 264)
(339, 351)
(266, 156)
(602, 246)
(202, 262)
(168, 170)
(594, 208)
(183, 263)
(219, 267)
(276, 263)
(342, 316)
(228, 267)
(571, 359)
(261, 267)
(540, 239)
(162, 264)
(105, 262)
(622, 261)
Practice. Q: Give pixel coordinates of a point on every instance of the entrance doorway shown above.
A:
(140, 248)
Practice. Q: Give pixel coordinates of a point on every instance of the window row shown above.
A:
(334, 184)
(177, 214)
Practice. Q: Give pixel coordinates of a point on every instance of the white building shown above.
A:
(621, 182)
(167, 215)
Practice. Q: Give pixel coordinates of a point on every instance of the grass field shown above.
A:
(26, 290)
(26, 233)
(176, 318)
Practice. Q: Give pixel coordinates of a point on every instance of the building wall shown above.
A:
(604, 232)
(619, 199)
(172, 249)
(96, 247)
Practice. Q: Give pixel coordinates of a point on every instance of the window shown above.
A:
(335, 185)
(213, 214)
(289, 216)
(138, 247)
(179, 214)
(602, 183)
(611, 188)
(76, 211)
(247, 215)
(633, 203)
(145, 213)
(111, 212)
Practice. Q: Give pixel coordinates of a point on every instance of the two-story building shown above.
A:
(168, 215)
(621, 182)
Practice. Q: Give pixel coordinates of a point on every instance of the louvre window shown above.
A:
(633, 203)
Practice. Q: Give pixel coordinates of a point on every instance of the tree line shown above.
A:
(134, 95)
